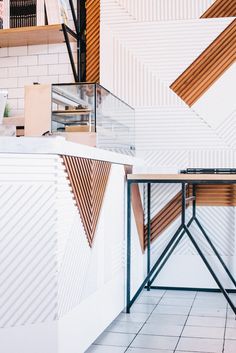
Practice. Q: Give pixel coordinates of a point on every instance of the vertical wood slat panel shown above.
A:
(93, 40)
(208, 67)
(88, 179)
(207, 195)
(221, 8)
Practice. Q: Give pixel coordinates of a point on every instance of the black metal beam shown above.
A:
(81, 42)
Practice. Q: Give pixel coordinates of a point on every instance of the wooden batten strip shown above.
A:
(137, 207)
(208, 67)
(221, 8)
(138, 213)
(93, 40)
(88, 180)
(207, 195)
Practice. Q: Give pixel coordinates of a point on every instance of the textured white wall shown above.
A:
(147, 45)
(21, 66)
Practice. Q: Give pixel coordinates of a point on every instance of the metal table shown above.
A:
(185, 180)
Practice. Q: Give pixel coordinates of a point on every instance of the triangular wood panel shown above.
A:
(221, 8)
(208, 67)
(88, 179)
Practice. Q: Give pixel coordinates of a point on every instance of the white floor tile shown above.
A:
(179, 294)
(148, 300)
(206, 302)
(172, 310)
(143, 350)
(161, 330)
(105, 349)
(203, 332)
(124, 327)
(230, 313)
(133, 317)
(231, 322)
(206, 321)
(230, 333)
(209, 295)
(207, 311)
(200, 345)
(115, 339)
(165, 319)
(230, 346)
(142, 308)
(153, 293)
(155, 342)
(177, 301)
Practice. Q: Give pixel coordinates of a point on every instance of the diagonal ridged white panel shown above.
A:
(212, 158)
(227, 129)
(154, 10)
(72, 276)
(137, 82)
(160, 196)
(27, 239)
(141, 74)
(173, 128)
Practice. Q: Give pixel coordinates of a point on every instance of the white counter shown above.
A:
(58, 293)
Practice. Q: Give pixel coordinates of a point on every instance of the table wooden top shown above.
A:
(183, 177)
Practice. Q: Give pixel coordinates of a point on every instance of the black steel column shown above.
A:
(81, 42)
(128, 255)
(183, 204)
(194, 201)
(148, 231)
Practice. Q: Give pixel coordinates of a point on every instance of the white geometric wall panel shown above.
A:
(27, 240)
(218, 102)
(153, 10)
(227, 129)
(179, 128)
(146, 57)
(48, 271)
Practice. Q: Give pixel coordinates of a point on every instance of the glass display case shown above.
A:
(89, 107)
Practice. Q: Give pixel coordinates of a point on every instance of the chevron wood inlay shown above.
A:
(93, 40)
(206, 195)
(221, 8)
(88, 179)
(208, 67)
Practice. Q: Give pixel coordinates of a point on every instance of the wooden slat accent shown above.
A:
(138, 213)
(164, 217)
(221, 8)
(88, 179)
(216, 195)
(208, 67)
(207, 195)
(137, 206)
(93, 40)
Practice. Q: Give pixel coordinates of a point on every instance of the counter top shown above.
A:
(58, 145)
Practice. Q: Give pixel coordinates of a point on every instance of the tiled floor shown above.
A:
(172, 321)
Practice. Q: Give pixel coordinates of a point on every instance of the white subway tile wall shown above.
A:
(21, 66)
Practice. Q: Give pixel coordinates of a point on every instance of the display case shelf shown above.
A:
(15, 37)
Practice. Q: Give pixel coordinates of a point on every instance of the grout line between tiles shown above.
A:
(145, 320)
(226, 316)
(185, 323)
